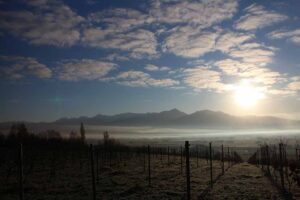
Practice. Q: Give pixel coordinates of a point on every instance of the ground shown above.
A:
(67, 176)
(244, 182)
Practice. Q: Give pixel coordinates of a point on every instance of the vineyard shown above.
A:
(282, 169)
(34, 167)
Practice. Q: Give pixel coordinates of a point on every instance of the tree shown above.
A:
(73, 135)
(82, 133)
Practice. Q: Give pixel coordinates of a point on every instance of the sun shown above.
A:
(246, 95)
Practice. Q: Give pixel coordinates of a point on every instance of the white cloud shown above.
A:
(294, 86)
(141, 79)
(115, 56)
(258, 17)
(119, 19)
(84, 69)
(228, 40)
(17, 67)
(292, 35)
(258, 74)
(253, 53)
(151, 67)
(140, 42)
(204, 13)
(48, 22)
(204, 78)
(188, 41)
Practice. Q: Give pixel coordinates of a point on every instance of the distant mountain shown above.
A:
(176, 118)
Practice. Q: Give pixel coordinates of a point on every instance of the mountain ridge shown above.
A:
(177, 118)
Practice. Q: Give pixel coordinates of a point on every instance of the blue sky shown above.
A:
(73, 58)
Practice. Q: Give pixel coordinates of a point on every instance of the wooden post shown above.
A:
(222, 159)
(297, 157)
(144, 158)
(281, 165)
(228, 156)
(97, 164)
(168, 156)
(261, 158)
(210, 163)
(93, 172)
(149, 166)
(268, 159)
(21, 192)
(187, 156)
(181, 159)
(197, 157)
(181, 164)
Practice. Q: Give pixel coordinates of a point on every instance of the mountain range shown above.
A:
(177, 118)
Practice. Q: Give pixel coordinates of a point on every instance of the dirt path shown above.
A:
(243, 182)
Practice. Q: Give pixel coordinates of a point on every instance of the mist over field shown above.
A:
(163, 135)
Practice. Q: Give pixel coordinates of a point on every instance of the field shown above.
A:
(64, 172)
(52, 167)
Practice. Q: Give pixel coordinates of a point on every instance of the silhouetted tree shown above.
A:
(18, 132)
(52, 134)
(73, 135)
(82, 133)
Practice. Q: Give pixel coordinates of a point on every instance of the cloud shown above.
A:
(204, 78)
(116, 57)
(258, 74)
(294, 86)
(292, 35)
(150, 67)
(141, 79)
(253, 53)
(188, 41)
(119, 19)
(192, 42)
(203, 13)
(84, 69)
(258, 17)
(122, 29)
(228, 40)
(140, 42)
(17, 67)
(46, 22)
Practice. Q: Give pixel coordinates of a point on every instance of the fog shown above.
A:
(142, 135)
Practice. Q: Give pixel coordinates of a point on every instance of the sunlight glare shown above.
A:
(246, 95)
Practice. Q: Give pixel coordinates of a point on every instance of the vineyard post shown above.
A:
(149, 166)
(144, 158)
(197, 157)
(187, 156)
(222, 159)
(168, 156)
(93, 172)
(21, 194)
(97, 164)
(281, 165)
(210, 163)
(181, 159)
(297, 157)
(261, 157)
(268, 159)
(228, 155)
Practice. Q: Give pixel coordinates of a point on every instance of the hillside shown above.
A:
(176, 118)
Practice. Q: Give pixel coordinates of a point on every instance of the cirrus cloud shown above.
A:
(84, 69)
(258, 17)
(17, 67)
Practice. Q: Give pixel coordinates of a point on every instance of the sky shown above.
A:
(81, 58)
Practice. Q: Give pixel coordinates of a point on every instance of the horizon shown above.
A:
(187, 113)
(65, 59)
